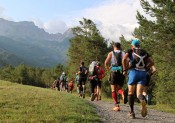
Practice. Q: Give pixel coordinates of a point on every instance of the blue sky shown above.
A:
(113, 17)
(44, 9)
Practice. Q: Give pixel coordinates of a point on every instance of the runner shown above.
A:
(93, 78)
(63, 82)
(116, 78)
(71, 86)
(55, 84)
(82, 79)
(101, 75)
(139, 62)
(149, 73)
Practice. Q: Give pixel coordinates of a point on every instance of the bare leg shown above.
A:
(142, 99)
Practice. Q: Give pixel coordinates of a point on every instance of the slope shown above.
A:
(19, 103)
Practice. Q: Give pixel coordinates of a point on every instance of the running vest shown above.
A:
(116, 60)
(83, 70)
(138, 59)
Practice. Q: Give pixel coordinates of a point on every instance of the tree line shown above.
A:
(35, 76)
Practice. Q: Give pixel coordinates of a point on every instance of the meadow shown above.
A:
(22, 103)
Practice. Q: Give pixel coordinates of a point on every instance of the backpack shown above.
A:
(139, 56)
(64, 78)
(117, 58)
(92, 68)
(83, 71)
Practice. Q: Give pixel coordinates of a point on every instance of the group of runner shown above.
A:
(63, 84)
(135, 62)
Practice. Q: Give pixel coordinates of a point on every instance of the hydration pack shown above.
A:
(139, 56)
(117, 58)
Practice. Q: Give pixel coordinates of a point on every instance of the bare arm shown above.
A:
(150, 63)
(108, 59)
(153, 69)
(125, 62)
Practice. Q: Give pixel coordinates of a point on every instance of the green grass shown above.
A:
(163, 107)
(20, 103)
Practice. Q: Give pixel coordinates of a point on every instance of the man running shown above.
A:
(116, 78)
(82, 79)
(93, 78)
(140, 61)
(149, 73)
(101, 75)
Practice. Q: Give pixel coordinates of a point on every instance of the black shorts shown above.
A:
(82, 81)
(99, 83)
(116, 78)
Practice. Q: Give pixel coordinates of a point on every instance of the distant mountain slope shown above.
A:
(23, 42)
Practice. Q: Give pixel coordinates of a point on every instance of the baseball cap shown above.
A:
(135, 42)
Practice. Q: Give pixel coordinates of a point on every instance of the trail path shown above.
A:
(104, 109)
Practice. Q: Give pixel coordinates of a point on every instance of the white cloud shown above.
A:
(115, 17)
(2, 10)
(55, 26)
(38, 22)
(52, 26)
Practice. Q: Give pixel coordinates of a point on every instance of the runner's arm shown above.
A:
(108, 59)
(150, 63)
(125, 63)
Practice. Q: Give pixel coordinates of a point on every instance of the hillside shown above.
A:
(28, 44)
(20, 103)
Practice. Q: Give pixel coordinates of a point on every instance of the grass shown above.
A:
(163, 107)
(21, 103)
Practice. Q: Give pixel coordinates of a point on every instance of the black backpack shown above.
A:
(83, 70)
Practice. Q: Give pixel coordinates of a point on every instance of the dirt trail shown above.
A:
(104, 109)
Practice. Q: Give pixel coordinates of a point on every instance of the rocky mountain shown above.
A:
(23, 42)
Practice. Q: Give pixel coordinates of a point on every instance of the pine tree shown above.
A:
(158, 37)
(87, 45)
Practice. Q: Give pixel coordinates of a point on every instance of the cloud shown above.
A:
(55, 26)
(52, 26)
(115, 18)
(2, 11)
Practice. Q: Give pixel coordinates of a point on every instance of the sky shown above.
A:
(112, 17)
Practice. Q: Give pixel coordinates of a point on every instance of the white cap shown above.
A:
(63, 73)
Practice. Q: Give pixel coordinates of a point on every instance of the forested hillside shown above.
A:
(25, 43)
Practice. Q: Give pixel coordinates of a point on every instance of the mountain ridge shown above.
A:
(32, 45)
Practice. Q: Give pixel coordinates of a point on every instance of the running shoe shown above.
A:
(117, 108)
(92, 97)
(99, 97)
(131, 115)
(143, 109)
(83, 95)
(80, 95)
